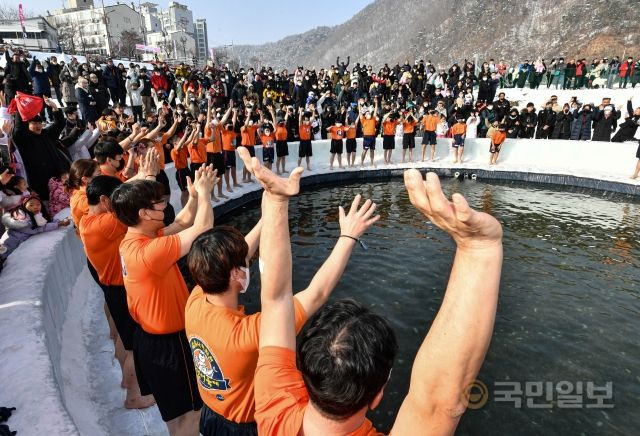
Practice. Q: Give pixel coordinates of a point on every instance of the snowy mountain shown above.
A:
(395, 30)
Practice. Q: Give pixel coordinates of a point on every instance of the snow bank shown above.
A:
(58, 366)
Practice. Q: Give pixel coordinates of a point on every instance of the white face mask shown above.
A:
(40, 220)
(245, 282)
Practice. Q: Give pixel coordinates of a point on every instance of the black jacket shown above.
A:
(603, 126)
(628, 128)
(562, 127)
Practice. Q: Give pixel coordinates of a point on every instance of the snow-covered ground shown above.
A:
(58, 367)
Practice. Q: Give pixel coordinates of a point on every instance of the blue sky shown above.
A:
(249, 21)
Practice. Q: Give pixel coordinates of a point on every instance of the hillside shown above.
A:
(396, 30)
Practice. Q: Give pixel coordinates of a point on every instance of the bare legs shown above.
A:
(637, 172)
(185, 425)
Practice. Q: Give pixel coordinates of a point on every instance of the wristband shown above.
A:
(359, 241)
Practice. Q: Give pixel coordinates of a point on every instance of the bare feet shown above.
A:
(633, 177)
(141, 402)
(237, 185)
(229, 189)
(221, 195)
(215, 199)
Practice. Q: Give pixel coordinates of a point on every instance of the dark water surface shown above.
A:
(569, 308)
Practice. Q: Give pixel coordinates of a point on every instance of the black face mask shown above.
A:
(120, 165)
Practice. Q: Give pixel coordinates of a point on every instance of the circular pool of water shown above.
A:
(569, 307)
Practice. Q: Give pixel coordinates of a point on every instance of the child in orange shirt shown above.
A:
(305, 129)
(389, 123)
(351, 144)
(458, 131)
(282, 148)
(408, 135)
(497, 139)
(179, 156)
(337, 132)
(268, 139)
(369, 121)
(248, 136)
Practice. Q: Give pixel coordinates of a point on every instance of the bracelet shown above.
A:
(359, 241)
(129, 138)
(149, 175)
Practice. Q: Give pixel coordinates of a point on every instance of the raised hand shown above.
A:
(357, 221)
(150, 163)
(278, 187)
(5, 177)
(467, 227)
(205, 180)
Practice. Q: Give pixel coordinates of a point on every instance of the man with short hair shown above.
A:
(157, 293)
(346, 355)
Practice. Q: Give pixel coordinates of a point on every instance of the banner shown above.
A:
(21, 16)
(148, 48)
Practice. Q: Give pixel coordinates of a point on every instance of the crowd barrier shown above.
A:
(35, 286)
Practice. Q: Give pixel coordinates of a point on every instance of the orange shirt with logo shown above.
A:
(79, 205)
(156, 291)
(351, 132)
(430, 122)
(368, 126)
(101, 235)
(179, 157)
(248, 135)
(224, 346)
(498, 137)
(268, 140)
(281, 133)
(281, 395)
(337, 132)
(305, 132)
(389, 127)
(198, 150)
(459, 129)
(227, 140)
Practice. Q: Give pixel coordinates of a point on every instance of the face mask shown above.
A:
(40, 220)
(120, 165)
(245, 282)
(39, 70)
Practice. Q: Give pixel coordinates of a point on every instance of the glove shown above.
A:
(4, 431)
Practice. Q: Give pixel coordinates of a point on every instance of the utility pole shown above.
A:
(106, 28)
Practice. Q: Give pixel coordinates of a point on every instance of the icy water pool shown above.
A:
(565, 354)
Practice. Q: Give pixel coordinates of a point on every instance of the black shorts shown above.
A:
(458, 141)
(282, 149)
(267, 154)
(212, 424)
(162, 178)
(429, 138)
(181, 178)
(116, 299)
(388, 142)
(638, 152)
(217, 161)
(252, 150)
(194, 167)
(229, 159)
(351, 145)
(408, 141)
(164, 367)
(304, 149)
(336, 146)
(369, 143)
(494, 148)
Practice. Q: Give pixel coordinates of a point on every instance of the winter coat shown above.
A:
(159, 82)
(19, 229)
(604, 126)
(58, 196)
(53, 71)
(627, 68)
(110, 76)
(101, 95)
(85, 97)
(581, 127)
(18, 71)
(41, 85)
(41, 155)
(562, 127)
(68, 87)
(628, 128)
(135, 94)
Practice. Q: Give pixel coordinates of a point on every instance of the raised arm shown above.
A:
(253, 240)
(155, 132)
(277, 326)
(352, 227)
(452, 353)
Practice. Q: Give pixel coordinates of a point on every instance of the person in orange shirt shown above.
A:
(82, 171)
(369, 122)
(214, 144)
(248, 137)
(458, 131)
(409, 123)
(179, 156)
(197, 146)
(351, 144)
(305, 149)
(282, 148)
(430, 124)
(497, 139)
(389, 124)
(346, 354)
(337, 131)
(101, 235)
(268, 138)
(157, 293)
(229, 141)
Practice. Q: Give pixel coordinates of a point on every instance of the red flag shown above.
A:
(27, 105)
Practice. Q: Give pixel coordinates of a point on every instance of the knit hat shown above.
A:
(26, 199)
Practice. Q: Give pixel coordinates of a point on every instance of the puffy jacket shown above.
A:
(604, 126)
(581, 127)
(110, 76)
(41, 85)
(627, 68)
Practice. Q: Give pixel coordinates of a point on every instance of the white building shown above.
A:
(176, 45)
(85, 28)
(40, 35)
(202, 40)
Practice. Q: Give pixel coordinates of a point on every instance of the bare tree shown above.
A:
(126, 46)
(69, 37)
(9, 11)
